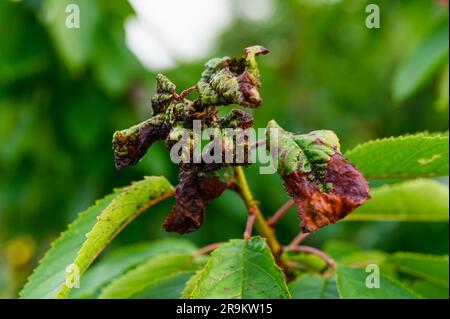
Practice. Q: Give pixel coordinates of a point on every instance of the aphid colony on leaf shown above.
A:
(323, 184)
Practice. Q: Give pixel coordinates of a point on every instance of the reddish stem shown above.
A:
(249, 227)
(315, 251)
(258, 143)
(184, 93)
(275, 219)
(208, 248)
(298, 239)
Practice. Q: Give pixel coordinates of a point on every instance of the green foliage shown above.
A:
(417, 200)
(429, 290)
(422, 64)
(171, 287)
(351, 284)
(56, 117)
(433, 269)
(74, 45)
(443, 92)
(363, 258)
(89, 234)
(339, 248)
(17, 61)
(50, 275)
(164, 271)
(239, 269)
(403, 157)
(63, 91)
(415, 274)
(310, 261)
(123, 259)
(310, 286)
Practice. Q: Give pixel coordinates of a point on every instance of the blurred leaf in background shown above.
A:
(64, 92)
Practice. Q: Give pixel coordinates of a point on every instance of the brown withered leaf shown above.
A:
(194, 191)
(317, 208)
(324, 185)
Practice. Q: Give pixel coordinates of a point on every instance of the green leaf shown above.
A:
(50, 274)
(422, 64)
(114, 66)
(239, 269)
(429, 290)
(148, 278)
(122, 260)
(73, 45)
(443, 91)
(311, 286)
(88, 235)
(308, 260)
(364, 258)
(338, 249)
(351, 284)
(428, 267)
(170, 287)
(25, 53)
(406, 156)
(417, 200)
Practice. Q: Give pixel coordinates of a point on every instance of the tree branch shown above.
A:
(252, 207)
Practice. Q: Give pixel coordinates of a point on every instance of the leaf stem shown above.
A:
(308, 249)
(249, 226)
(275, 219)
(258, 143)
(252, 207)
(298, 239)
(185, 92)
(207, 249)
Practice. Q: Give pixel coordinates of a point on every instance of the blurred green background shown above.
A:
(63, 94)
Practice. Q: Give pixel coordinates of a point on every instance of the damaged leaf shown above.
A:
(324, 185)
(130, 145)
(228, 80)
(165, 94)
(194, 191)
(231, 80)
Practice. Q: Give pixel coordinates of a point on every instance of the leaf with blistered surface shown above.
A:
(324, 185)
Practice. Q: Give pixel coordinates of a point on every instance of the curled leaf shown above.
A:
(231, 80)
(236, 119)
(227, 80)
(324, 185)
(131, 144)
(165, 94)
(229, 143)
(194, 191)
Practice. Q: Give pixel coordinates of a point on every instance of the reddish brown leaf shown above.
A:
(194, 191)
(316, 208)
